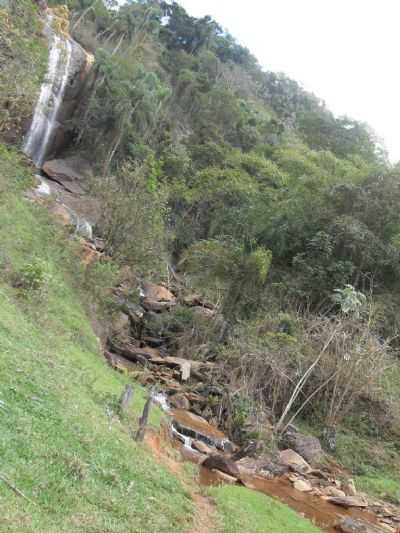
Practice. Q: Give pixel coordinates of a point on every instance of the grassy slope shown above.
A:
(61, 442)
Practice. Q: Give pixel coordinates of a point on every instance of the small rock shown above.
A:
(179, 401)
(219, 462)
(294, 460)
(302, 485)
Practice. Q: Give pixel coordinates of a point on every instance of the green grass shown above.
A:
(374, 464)
(61, 441)
(241, 510)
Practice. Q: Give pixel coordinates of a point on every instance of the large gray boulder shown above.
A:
(307, 446)
(73, 173)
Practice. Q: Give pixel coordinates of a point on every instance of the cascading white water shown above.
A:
(44, 122)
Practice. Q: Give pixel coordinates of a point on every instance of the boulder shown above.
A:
(179, 401)
(307, 446)
(224, 464)
(261, 466)
(294, 461)
(73, 173)
(348, 501)
(156, 293)
(302, 485)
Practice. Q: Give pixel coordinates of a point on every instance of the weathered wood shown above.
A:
(126, 398)
(143, 420)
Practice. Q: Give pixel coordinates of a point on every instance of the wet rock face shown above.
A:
(67, 71)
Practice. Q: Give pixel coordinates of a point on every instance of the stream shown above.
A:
(187, 427)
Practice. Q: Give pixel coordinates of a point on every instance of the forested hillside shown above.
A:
(245, 188)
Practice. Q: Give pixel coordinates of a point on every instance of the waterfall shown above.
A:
(44, 123)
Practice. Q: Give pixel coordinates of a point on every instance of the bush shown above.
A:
(32, 276)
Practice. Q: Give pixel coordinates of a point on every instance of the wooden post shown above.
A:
(144, 419)
(126, 398)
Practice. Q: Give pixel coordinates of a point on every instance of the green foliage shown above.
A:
(349, 300)
(133, 205)
(32, 276)
(238, 272)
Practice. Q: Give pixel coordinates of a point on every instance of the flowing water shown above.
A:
(44, 123)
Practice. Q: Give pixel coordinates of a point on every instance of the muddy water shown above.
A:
(322, 513)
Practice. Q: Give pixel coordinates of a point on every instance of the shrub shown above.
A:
(32, 276)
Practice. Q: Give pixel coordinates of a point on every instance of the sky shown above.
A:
(344, 51)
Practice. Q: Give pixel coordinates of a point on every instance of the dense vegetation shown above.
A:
(253, 191)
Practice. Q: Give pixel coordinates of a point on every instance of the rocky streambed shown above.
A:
(191, 393)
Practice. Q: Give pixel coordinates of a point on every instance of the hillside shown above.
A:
(168, 159)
